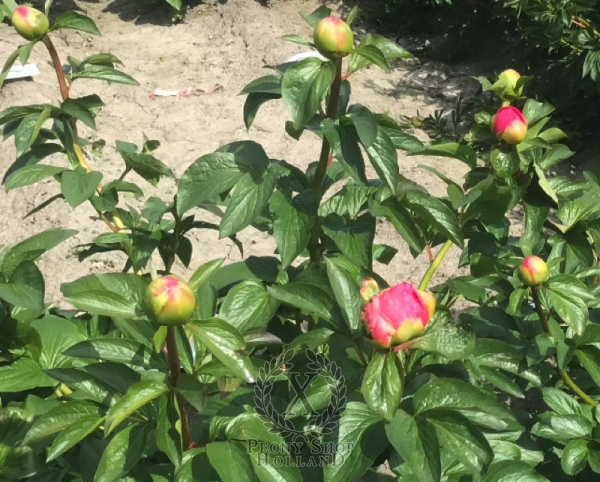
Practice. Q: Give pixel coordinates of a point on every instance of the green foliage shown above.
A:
(276, 360)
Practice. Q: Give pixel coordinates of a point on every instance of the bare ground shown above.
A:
(227, 44)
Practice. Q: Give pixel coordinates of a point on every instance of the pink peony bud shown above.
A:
(533, 271)
(510, 125)
(398, 314)
(30, 23)
(333, 38)
(170, 301)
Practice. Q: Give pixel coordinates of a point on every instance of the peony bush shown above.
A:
(305, 365)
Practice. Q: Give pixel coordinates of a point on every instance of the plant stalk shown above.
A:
(174, 369)
(535, 294)
(317, 184)
(433, 267)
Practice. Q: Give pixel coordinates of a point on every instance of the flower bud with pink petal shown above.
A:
(533, 271)
(30, 23)
(509, 125)
(397, 314)
(170, 301)
(333, 38)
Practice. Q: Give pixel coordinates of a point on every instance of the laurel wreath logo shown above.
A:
(322, 422)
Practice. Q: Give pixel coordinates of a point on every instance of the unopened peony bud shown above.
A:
(510, 125)
(509, 78)
(333, 38)
(533, 271)
(398, 314)
(30, 23)
(170, 301)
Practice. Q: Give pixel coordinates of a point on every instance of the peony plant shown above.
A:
(489, 375)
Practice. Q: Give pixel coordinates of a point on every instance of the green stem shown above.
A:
(535, 293)
(433, 267)
(317, 184)
(174, 369)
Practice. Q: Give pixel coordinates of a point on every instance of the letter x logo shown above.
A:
(300, 386)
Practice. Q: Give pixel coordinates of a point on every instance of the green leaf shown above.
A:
(372, 55)
(57, 335)
(390, 50)
(231, 461)
(435, 213)
(10, 61)
(29, 129)
(122, 453)
(347, 294)
(462, 439)
(248, 305)
(416, 441)
(32, 248)
(452, 342)
(204, 273)
(114, 294)
(118, 350)
(23, 374)
(562, 427)
(384, 158)
(534, 111)
(382, 384)
(560, 402)
(59, 418)
(513, 471)
(136, 397)
(102, 72)
(216, 173)
(253, 102)
(77, 187)
(353, 237)
(315, 17)
(293, 220)
(453, 150)
(250, 197)
(310, 298)
(73, 434)
(80, 109)
(455, 394)
(22, 296)
(28, 175)
(147, 166)
(168, 439)
(569, 307)
(574, 457)
(401, 220)
(304, 86)
(363, 429)
(505, 163)
(75, 21)
(226, 344)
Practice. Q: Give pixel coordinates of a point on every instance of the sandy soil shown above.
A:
(226, 44)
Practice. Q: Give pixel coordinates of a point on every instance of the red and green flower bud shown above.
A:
(533, 271)
(30, 23)
(397, 314)
(509, 125)
(170, 301)
(333, 38)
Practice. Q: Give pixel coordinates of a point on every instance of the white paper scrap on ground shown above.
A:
(22, 71)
